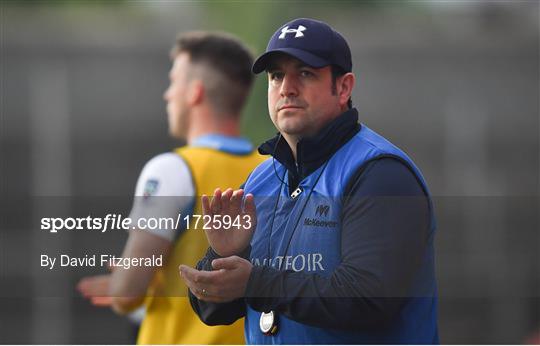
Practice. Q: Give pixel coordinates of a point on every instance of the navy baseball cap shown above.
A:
(311, 41)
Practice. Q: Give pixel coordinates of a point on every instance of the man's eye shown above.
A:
(276, 75)
(306, 73)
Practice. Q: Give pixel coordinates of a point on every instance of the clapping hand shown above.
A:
(229, 238)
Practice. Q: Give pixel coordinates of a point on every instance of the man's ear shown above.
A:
(346, 86)
(195, 92)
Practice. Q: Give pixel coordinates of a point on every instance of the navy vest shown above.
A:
(303, 234)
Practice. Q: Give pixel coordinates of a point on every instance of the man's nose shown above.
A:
(289, 86)
(166, 94)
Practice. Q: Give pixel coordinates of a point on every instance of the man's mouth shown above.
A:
(289, 107)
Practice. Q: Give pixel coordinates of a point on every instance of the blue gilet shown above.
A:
(303, 234)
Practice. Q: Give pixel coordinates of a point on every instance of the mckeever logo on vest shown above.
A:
(321, 218)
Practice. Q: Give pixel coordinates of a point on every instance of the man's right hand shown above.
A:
(229, 241)
(96, 288)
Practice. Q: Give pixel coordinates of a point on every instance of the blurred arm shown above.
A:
(164, 190)
(128, 286)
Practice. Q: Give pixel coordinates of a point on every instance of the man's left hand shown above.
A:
(227, 282)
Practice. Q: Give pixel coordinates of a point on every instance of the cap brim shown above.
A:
(310, 59)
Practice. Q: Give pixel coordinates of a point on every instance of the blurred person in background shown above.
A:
(343, 251)
(210, 81)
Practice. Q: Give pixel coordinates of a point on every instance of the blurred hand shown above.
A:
(227, 282)
(96, 289)
(228, 241)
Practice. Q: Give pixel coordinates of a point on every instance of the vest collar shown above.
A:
(314, 151)
(228, 144)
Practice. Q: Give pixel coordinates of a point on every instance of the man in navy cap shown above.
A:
(337, 243)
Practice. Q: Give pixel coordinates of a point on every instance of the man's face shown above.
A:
(175, 95)
(300, 99)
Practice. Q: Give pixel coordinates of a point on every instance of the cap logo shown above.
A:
(298, 32)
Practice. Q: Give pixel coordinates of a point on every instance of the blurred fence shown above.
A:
(454, 84)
